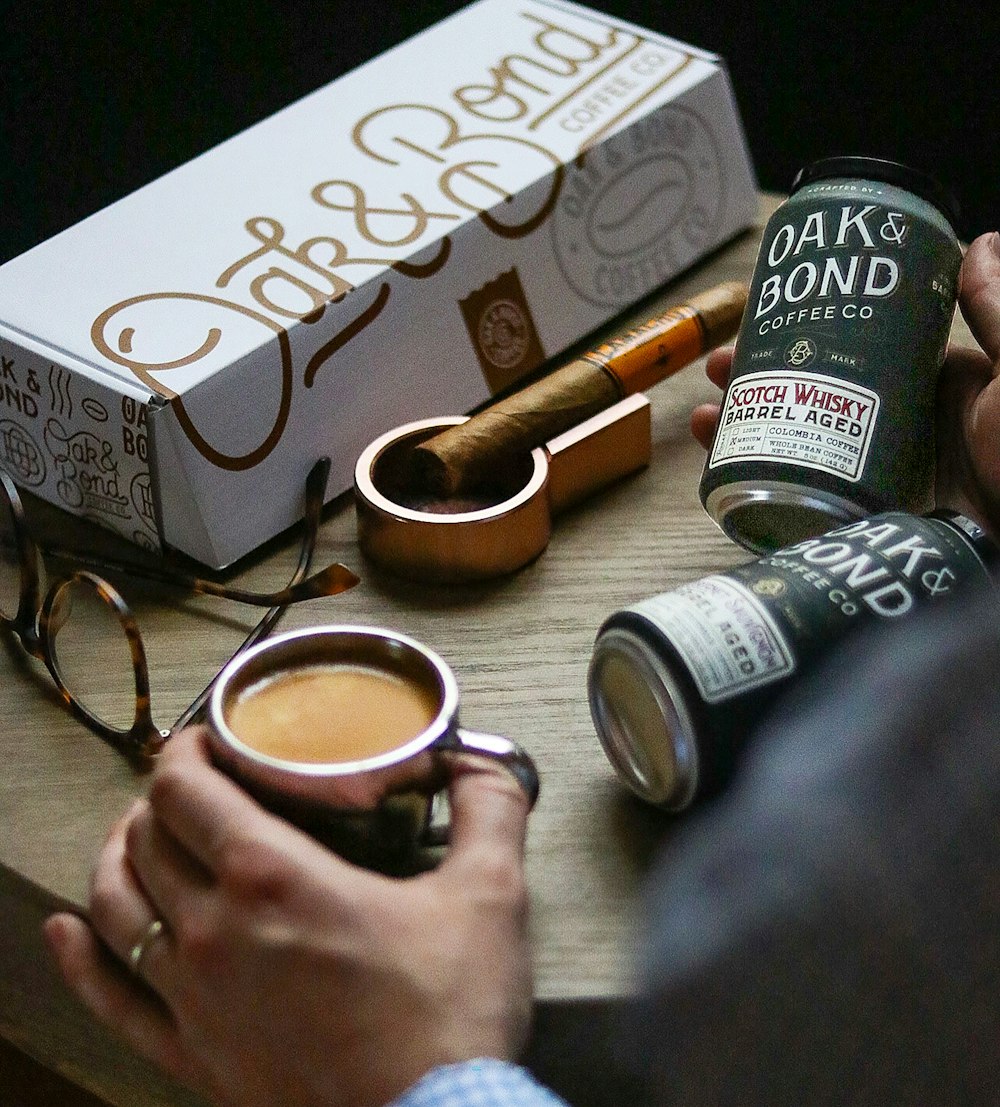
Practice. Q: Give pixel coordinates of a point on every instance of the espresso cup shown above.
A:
(337, 721)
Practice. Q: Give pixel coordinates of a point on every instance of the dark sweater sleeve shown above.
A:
(828, 931)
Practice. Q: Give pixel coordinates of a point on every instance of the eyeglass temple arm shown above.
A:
(315, 486)
(330, 581)
(327, 582)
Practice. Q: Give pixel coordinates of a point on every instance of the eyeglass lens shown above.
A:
(89, 635)
(10, 561)
(90, 652)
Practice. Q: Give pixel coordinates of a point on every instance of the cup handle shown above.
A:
(513, 757)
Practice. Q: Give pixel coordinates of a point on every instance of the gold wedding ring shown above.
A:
(141, 948)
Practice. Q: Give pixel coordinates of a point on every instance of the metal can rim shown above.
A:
(678, 721)
(724, 501)
(922, 184)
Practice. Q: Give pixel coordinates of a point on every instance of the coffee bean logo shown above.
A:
(638, 209)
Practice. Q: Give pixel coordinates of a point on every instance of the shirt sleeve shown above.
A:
(485, 1082)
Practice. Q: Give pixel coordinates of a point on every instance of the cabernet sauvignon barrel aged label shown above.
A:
(725, 635)
(679, 681)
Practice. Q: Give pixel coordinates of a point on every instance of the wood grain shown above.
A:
(520, 647)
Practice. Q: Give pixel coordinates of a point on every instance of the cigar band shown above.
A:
(627, 357)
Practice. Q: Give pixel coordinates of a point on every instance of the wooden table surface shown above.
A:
(520, 647)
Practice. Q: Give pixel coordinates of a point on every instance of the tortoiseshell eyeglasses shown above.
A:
(83, 631)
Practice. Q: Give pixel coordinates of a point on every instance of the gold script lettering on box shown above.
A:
(319, 288)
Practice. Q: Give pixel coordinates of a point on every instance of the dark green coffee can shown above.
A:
(677, 682)
(829, 411)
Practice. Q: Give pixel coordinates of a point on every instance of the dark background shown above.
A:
(99, 98)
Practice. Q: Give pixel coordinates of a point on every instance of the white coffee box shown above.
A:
(402, 243)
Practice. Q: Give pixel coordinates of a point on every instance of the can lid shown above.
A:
(881, 169)
(986, 549)
(642, 719)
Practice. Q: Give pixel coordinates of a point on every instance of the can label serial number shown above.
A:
(800, 419)
(726, 637)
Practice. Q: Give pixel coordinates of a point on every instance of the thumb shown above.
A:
(980, 292)
(489, 814)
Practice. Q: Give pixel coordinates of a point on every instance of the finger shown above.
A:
(114, 998)
(718, 365)
(980, 292)
(489, 815)
(221, 826)
(199, 805)
(704, 421)
(167, 873)
(174, 883)
(120, 911)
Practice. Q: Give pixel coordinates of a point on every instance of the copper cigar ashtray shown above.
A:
(476, 538)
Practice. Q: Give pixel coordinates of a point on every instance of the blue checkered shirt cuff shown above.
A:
(485, 1082)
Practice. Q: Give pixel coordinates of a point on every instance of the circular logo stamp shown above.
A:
(639, 208)
(504, 333)
(21, 455)
(769, 586)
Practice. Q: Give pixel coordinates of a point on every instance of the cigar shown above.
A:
(465, 456)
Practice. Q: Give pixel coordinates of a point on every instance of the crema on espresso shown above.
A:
(331, 712)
